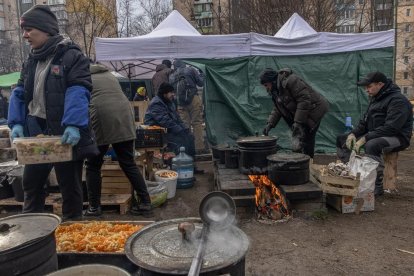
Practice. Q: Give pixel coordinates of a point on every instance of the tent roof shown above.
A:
(137, 57)
(175, 24)
(295, 27)
(6, 81)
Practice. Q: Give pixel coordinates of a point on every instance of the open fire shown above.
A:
(271, 204)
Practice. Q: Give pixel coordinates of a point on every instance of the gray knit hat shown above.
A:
(42, 18)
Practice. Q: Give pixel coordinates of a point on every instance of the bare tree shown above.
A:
(150, 14)
(90, 19)
(125, 17)
(10, 60)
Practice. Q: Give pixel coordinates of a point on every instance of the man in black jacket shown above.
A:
(386, 126)
(52, 98)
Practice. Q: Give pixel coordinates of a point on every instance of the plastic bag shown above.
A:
(367, 167)
(158, 193)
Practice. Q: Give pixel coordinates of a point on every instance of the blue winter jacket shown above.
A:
(164, 114)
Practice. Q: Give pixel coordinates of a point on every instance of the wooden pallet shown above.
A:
(55, 202)
(334, 184)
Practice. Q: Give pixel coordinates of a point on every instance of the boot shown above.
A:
(143, 209)
(93, 211)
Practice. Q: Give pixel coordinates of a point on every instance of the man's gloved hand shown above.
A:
(266, 130)
(350, 141)
(17, 131)
(359, 144)
(71, 136)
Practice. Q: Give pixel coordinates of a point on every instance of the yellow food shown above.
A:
(167, 174)
(94, 236)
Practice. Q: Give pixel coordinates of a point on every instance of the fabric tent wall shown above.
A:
(237, 105)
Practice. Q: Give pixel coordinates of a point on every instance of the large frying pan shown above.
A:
(217, 211)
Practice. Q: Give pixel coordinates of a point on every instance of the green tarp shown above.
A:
(237, 105)
(6, 81)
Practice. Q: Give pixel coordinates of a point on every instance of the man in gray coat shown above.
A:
(298, 104)
(112, 120)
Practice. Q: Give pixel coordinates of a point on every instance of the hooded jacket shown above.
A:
(112, 118)
(296, 101)
(162, 74)
(192, 77)
(389, 114)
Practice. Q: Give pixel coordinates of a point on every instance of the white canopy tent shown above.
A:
(136, 57)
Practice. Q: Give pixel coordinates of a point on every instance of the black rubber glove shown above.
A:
(266, 130)
(298, 136)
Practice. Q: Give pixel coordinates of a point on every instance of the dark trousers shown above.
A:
(125, 155)
(308, 141)
(182, 139)
(69, 177)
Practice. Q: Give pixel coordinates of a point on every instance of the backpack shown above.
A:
(183, 91)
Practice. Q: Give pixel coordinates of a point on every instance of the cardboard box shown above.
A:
(349, 204)
(33, 150)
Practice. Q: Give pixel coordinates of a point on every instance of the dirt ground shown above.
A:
(338, 244)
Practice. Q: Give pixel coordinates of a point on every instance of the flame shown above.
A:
(268, 197)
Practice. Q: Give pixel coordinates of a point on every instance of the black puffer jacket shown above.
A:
(389, 114)
(296, 101)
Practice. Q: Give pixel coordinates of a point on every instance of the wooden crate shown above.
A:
(55, 201)
(338, 185)
(114, 180)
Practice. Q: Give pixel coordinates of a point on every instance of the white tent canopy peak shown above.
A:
(295, 27)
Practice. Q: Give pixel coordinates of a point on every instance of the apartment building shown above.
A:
(404, 75)
(207, 16)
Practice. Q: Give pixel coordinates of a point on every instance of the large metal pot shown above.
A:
(28, 245)
(288, 168)
(253, 151)
(159, 249)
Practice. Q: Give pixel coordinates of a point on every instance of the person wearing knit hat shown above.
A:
(163, 112)
(42, 18)
(52, 98)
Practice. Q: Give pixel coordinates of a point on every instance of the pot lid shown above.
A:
(160, 247)
(24, 228)
(257, 139)
(288, 157)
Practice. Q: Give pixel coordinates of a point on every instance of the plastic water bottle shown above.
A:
(184, 166)
(348, 124)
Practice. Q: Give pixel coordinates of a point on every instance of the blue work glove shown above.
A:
(71, 136)
(17, 131)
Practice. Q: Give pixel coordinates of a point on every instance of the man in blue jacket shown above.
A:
(162, 112)
(51, 98)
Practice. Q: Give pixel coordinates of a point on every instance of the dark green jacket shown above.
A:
(111, 113)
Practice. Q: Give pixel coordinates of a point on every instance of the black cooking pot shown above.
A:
(159, 249)
(288, 168)
(253, 151)
(219, 152)
(231, 158)
(28, 244)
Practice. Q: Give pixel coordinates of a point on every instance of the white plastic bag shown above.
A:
(367, 167)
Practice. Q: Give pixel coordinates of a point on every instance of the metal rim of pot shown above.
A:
(155, 230)
(257, 141)
(15, 235)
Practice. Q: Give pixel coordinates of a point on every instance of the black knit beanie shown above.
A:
(42, 18)
(268, 75)
(164, 88)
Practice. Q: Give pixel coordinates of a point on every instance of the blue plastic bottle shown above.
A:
(348, 124)
(184, 166)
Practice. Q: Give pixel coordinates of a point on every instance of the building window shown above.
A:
(345, 29)
(408, 13)
(408, 28)
(361, 2)
(405, 75)
(405, 59)
(407, 43)
(405, 90)
(1, 7)
(27, 1)
(2, 28)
